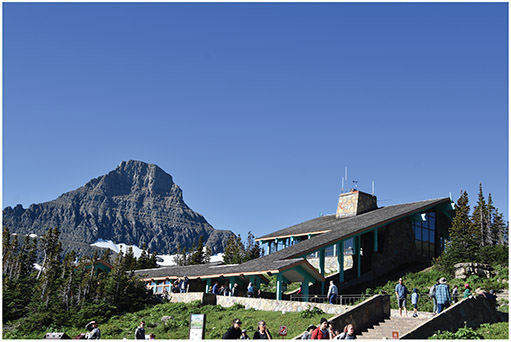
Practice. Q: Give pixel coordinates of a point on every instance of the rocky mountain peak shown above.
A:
(135, 203)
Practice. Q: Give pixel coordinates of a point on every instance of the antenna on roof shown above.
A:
(342, 186)
(346, 174)
(373, 189)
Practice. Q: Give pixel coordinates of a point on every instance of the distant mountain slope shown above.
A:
(135, 203)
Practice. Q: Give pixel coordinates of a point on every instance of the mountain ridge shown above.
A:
(135, 203)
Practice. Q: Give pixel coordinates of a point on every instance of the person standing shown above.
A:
(262, 332)
(216, 288)
(443, 295)
(321, 332)
(432, 295)
(332, 292)
(415, 300)
(140, 331)
(455, 294)
(234, 332)
(250, 290)
(401, 292)
(183, 285)
(235, 291)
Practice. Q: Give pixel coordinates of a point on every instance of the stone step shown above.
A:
(385, 329)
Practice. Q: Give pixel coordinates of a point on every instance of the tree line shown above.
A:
(480, 237)
(66, 290)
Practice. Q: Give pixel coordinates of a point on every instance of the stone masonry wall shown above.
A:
(473, 311)
(354, 203)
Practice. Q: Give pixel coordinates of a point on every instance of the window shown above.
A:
(424, 232)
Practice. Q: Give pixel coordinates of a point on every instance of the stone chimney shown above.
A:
(355, 202)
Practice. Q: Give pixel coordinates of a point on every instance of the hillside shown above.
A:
(134, 204)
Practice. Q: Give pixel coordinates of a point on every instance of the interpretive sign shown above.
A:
(197, 326)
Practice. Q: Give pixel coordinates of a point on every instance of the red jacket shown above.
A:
(317, 334)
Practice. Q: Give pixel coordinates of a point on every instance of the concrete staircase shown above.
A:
(384, 330)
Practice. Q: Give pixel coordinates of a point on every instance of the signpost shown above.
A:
(283, 331)
(395, 335)
(197, 326)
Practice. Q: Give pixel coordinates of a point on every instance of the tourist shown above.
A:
(140, 331)
(183, 285)
(401, 292)
(95, 333)
(332, 292)
(250, 290)
(350, 333)
(262, 332)
(234, 332)
(331, 330)
(152, 336)
(308, 333)
(321, 332)
(455, 294)
(415, 300)
(235, 290)
(342, 335)
(216, 288)
(467, 291)
(432, 295)
(244, 335)
(443, 295)
(227, 292)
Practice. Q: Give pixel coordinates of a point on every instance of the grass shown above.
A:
(177, 318)
(495, 331)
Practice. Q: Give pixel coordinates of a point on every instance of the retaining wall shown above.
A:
(473, 311)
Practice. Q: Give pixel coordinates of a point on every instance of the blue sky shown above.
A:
(256, 109)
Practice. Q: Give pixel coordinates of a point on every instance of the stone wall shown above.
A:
(279, 305)
(363, 315)
(473, 311)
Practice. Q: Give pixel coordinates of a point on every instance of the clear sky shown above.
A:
(256, 109)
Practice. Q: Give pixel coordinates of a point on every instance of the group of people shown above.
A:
(440, 294)
(326, 331)
(226, 290)
(235, 332)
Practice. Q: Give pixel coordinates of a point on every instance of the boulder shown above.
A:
(466, 269)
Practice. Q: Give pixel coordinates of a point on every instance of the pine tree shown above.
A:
(207, 255)
(129, 260)
(464, 237)
(198, 253)
(143, 261)
(480, 217)
(51, 269)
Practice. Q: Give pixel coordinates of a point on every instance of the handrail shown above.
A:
(343, 299)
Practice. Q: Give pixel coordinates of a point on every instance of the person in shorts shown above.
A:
(401, 292)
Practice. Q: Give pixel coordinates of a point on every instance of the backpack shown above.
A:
(432, 291)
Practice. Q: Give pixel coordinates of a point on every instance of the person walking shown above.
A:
(401, 292)
(234, 332)
(321, 332)
(432, 295)
(467, 291)
(262, 332)
(415, 300)
(140, 331)
(443, 295)
(332, 292)
(455, 294)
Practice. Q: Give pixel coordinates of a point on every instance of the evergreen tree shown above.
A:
(480, 217)
(143, 261)
(51, 268)
(198, 254)
(464, 237)
(129, 260)
(207, 255)
(153, 262)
